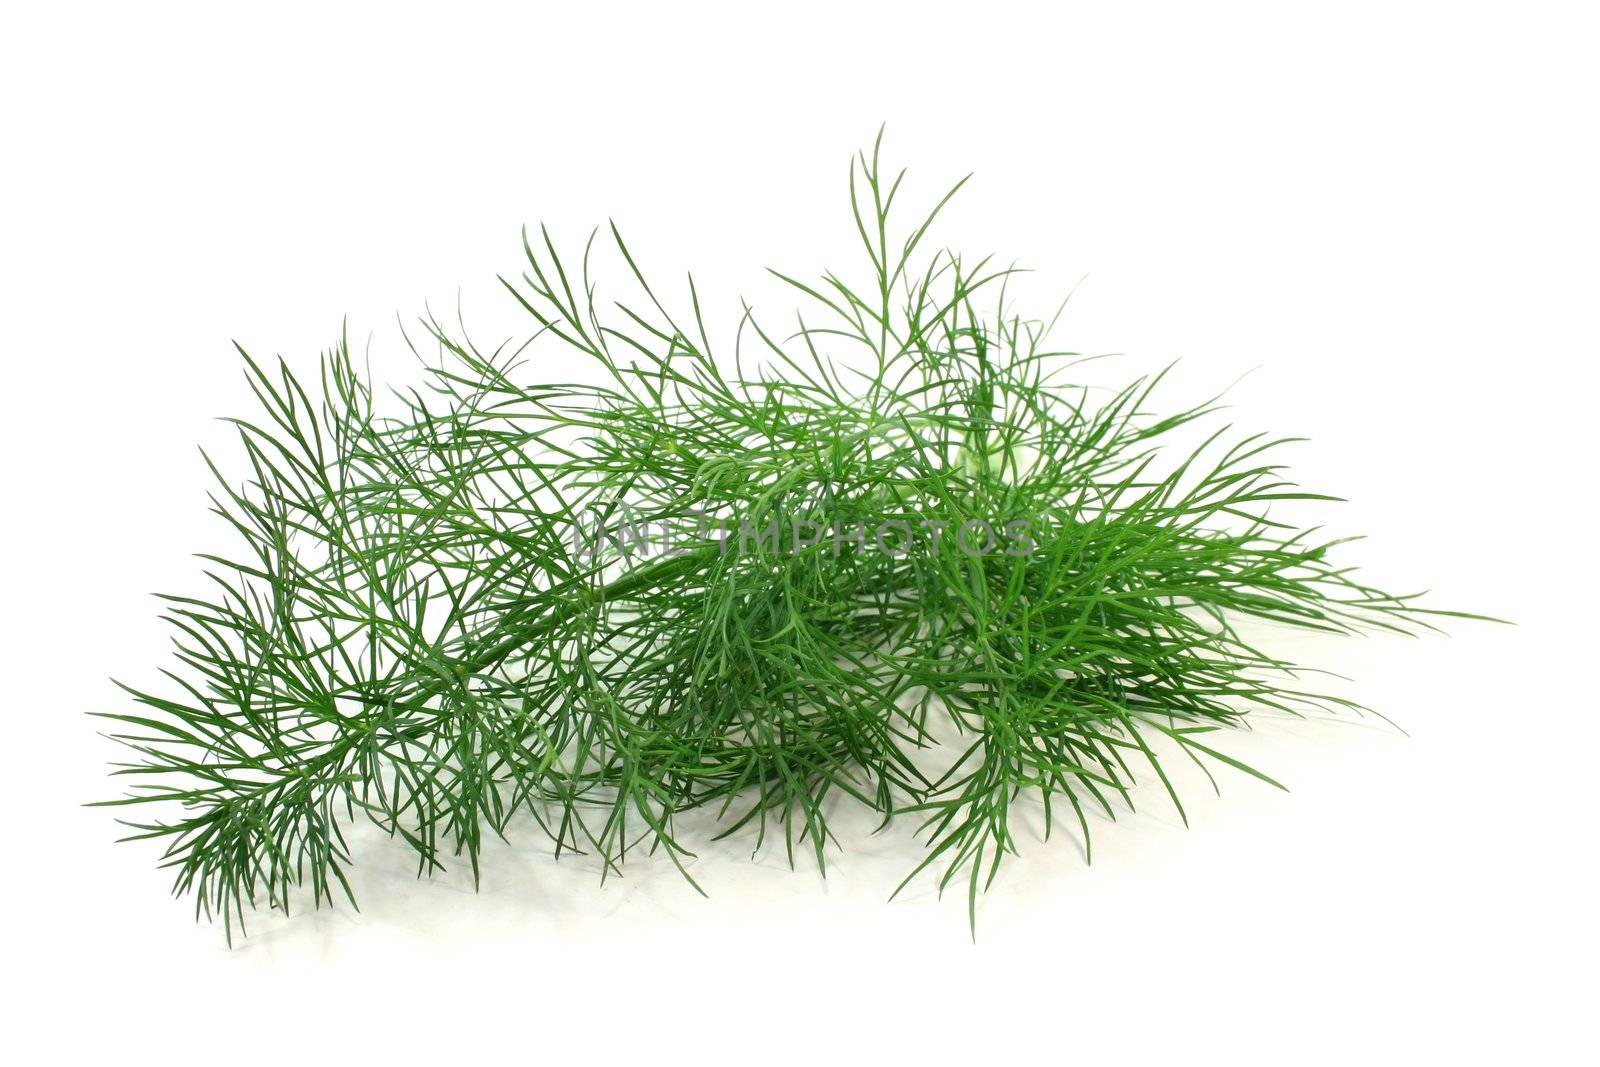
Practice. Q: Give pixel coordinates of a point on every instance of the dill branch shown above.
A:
(412, 630)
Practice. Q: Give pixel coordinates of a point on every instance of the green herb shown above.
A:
(421, 628)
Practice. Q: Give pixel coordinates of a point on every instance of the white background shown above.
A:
(1388, 210)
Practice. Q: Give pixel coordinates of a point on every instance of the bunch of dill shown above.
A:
(761, 584)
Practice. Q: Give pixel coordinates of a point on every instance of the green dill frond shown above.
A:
(745, 581)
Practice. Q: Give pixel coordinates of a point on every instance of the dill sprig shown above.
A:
(441, 617)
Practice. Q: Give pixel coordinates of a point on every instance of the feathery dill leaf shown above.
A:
(417, 627)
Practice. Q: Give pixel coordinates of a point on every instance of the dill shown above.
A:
(438, 617)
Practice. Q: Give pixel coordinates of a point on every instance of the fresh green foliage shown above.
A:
(413, 632)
